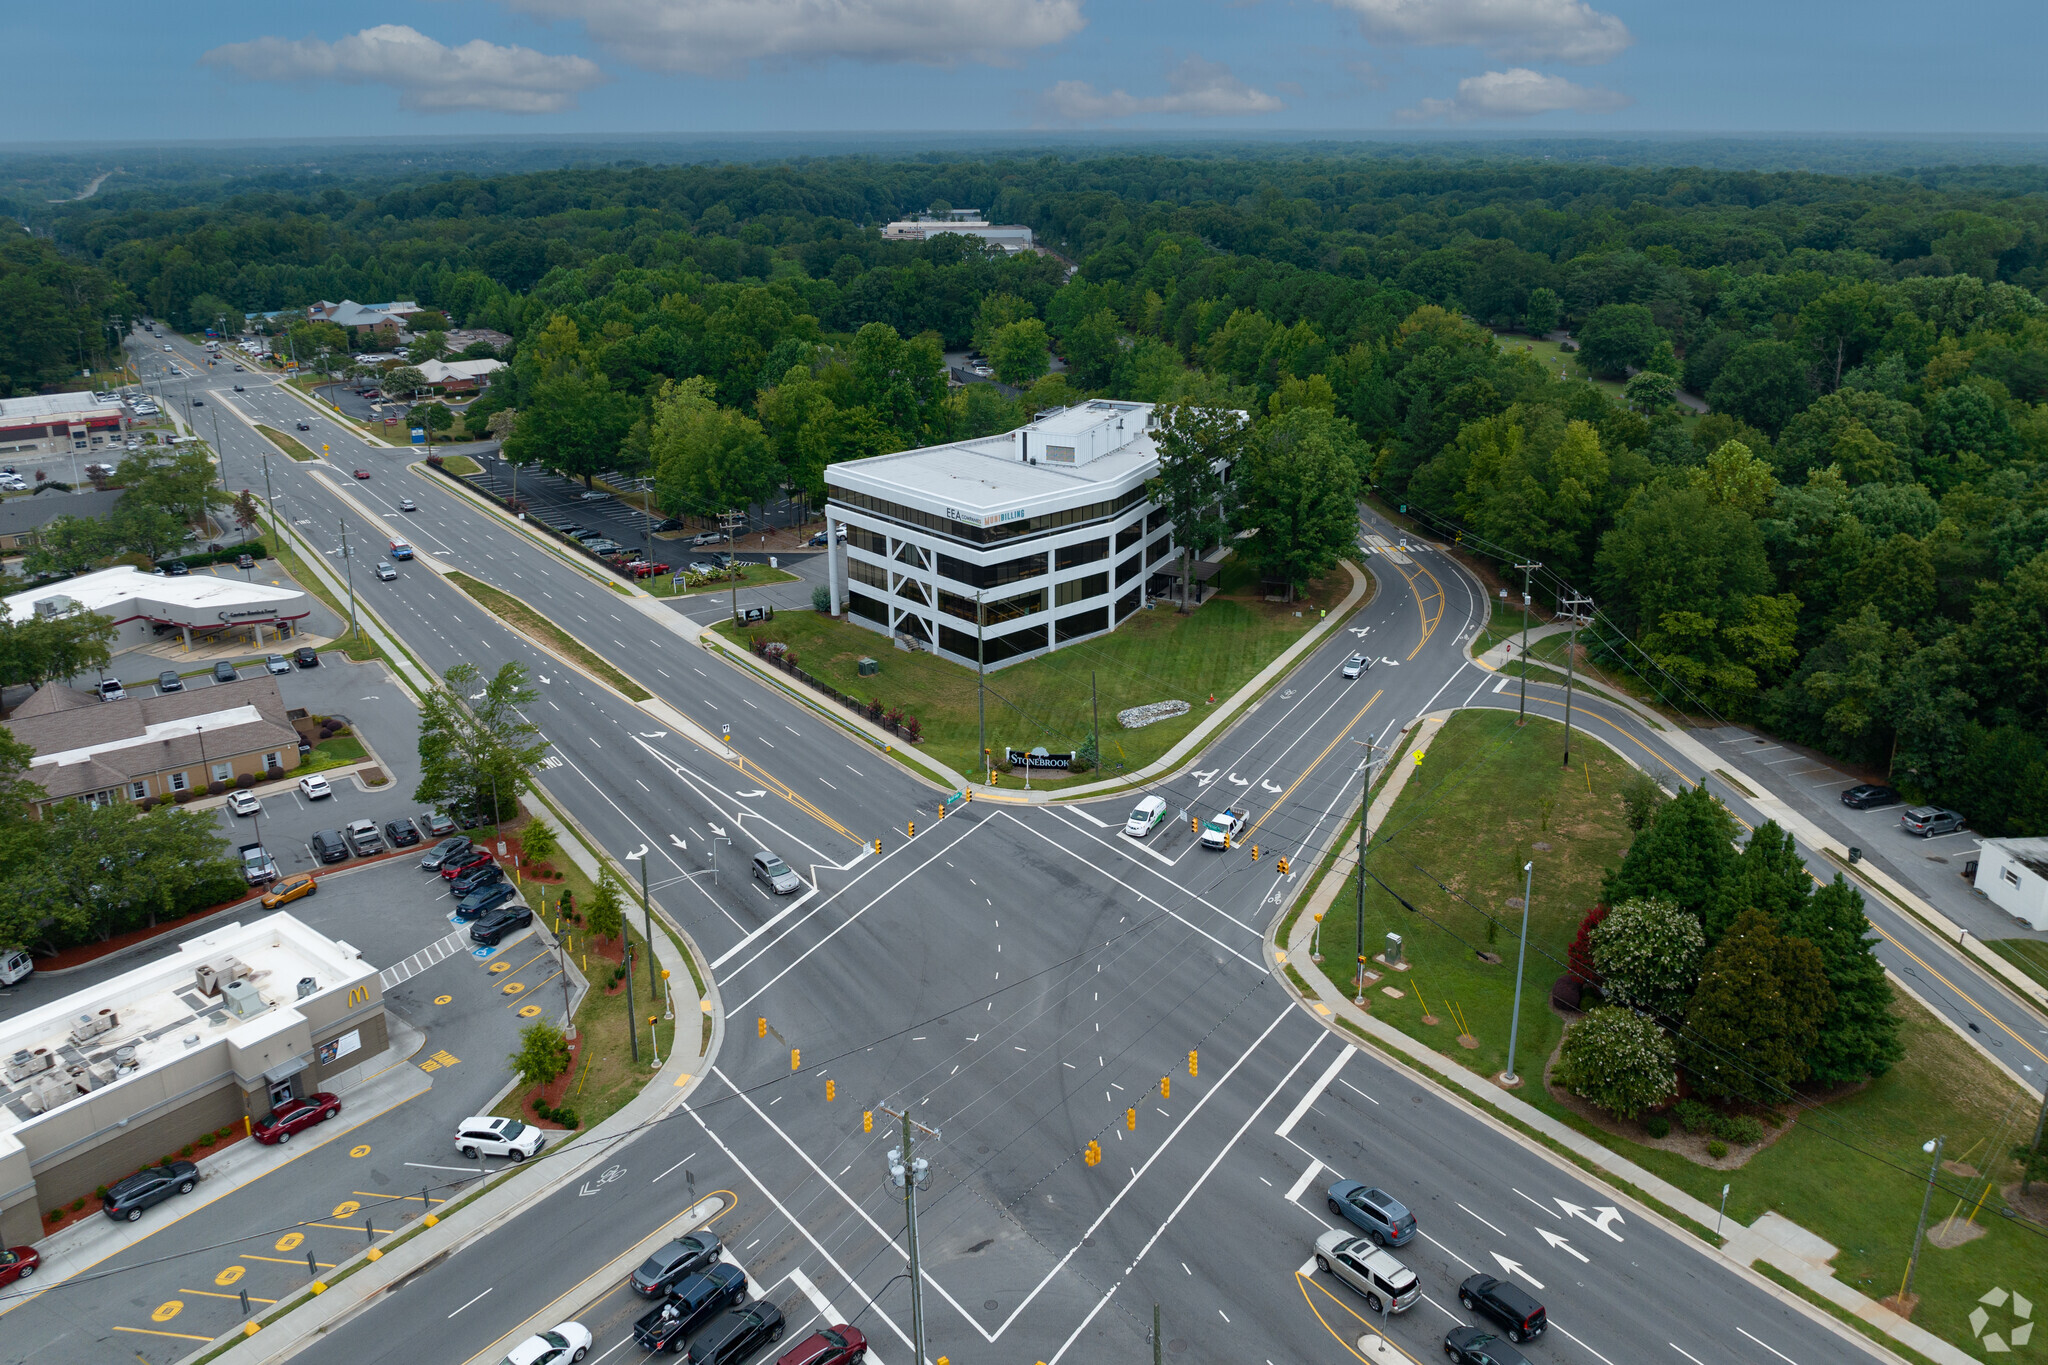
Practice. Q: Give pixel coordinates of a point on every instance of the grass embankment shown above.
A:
(290, 445)
(355, 644)
(2030, 955)
(524, 618)
(1156, 655)
(461, 466)
(1850, 1171)
(751, 576)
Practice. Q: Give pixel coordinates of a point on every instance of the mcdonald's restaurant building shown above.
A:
(229, 1026)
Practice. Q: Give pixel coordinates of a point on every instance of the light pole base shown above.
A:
(1507, 1081)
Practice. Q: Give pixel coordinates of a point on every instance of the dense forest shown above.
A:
(1851, 548)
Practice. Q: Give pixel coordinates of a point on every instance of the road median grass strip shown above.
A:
(525, 619)
(289, 445)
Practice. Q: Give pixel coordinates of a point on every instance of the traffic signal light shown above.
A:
(878, 847)
(829, 1091)
(1193, 1057)
(1283, 863)
(761, 1027)
(1166, 1087)
(796, 1058)
(867, 1120)
(1194, 824)
(910, 830)
(1092, 1153)
(1255, 852)
(1131, 1120)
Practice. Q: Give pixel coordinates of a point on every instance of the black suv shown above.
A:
(668, 1325)
(496, 924)
(1866, 796)
(125, 1200)
(1476, 1346)
(305, 656)
(1518, 1314)
(476, 879)
(329, 846)
(401, 833)
(736, 1334)
(681, 1257)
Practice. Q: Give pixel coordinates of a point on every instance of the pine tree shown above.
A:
(1756, 1016)
(1768, 876)
(1860, 1036)
(1682, 856)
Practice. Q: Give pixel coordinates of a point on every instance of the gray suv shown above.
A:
(1928, 821)
(1378, 1214)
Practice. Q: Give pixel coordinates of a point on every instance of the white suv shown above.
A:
(486, 1136)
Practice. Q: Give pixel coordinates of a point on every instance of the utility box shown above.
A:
(869, 667)
(1393, 949)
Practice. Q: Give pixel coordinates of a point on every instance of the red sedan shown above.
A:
(840, 1345)
(461, 863)
(362, 473)
(295, 1116)
(18, 1263)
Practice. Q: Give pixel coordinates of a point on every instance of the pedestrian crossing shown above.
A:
(400, 972)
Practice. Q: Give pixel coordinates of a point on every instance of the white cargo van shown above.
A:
(15, 965)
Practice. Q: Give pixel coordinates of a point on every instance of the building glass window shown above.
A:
(274, 761)
(223, 772)
(992, 575)
(137, 790)
(1129, 569)
(860, 604)
(1128, 603)
(178, 782)
(860, 571)
(1080, 589)
(1129, 536)
(988, 535)
(1091, 622)
(1087, 552)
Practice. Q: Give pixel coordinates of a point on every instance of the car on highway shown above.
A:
(362, 473)
(1378, 1214)
(305, 656)
(839, 1344)
(315, 788)
(667, 1326)
(678, 1259)
(305, 426)
(408, 505)
(243, 803)
(290, 889)
(224, 672)
(238, 387)
(482, 1135)
(737, 1333)
(401, 833)
(437, 857)
(563, 1344)
(484, 899)
(1477, 1346)
(364, 838)
(125, 1200)
(293, 1116)
(462, 860)
(1869, 796)
(500, 922)
(1356, 665)
(199, 402)
(1377, 1274)
(1503, 1301)
(1928, 821)
(18, 1263)
(385, 572)
(1149, 815)
(400, 550)
(276, 665)
(775, 873)
(436, 824)
(476, 879)
(328, 846)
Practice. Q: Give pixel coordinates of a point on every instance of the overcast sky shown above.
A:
(223, 69)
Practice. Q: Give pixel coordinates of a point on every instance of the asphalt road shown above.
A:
(985, 1020)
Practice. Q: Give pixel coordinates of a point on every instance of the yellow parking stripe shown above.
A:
(153, 1332)
(216, 1294)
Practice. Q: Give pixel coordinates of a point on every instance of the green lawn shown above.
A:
(332, 753)
(1158, 655)
(751, 576)
(1851, 1172)
(1505, 624)
(461, 465)
(2030, 955)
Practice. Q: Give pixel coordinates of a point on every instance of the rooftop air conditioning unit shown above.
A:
(308, 986)
(242, 1000)
(54, 605)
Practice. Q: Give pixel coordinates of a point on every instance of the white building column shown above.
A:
(834, 577)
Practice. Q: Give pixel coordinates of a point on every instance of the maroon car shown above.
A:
(18, 1263)
(463, 862)
(294, 1115)
(840, 1345)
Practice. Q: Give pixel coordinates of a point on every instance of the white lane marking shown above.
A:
(494, 1287)
(1766, 1345)
(1315, 1168)
(823, 1304)
(1489, 1225)
(1099, 824)
(1315, 1092)
(780, 916)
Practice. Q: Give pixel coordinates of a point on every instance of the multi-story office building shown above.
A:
(1048, 525)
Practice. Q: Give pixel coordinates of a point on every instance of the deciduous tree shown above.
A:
(1195, 446)
(1619, 1061)
(1648, 954)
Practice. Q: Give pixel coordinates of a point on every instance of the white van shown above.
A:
(1150, 814)
(15, 965)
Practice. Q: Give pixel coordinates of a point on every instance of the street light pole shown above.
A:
(348, 564)
(647, 924)
(911, 1173)
(1912, 1264)
(1364, 819)
(1576, 605)
(1521, 956)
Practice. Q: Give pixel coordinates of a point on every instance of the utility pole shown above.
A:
(1364, 816)
(730, 523)
(1522, 708)
(1521, 955)
(348, 564)
(1575, 606)
(632, 1011)
(1155, 1334)
(911, 1173)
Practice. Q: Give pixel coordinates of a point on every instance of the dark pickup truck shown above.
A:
(667, 1325)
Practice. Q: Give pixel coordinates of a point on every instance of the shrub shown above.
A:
(1693, 1116)
(893, 717)
(1740, 1129)
(148, 804)
(821, 598)
(1717, 1149)
(100, 1193)
(789, 657)
(246, 780)
(185, 796)
(1580, 955)
(874, 708)
(435, 461)
(77, 1204)
(54, 1216)
(1648, 955)
(224, 1132)
(216, 788)
(1657, 1125)
(1619, 1061)
(1566, 992)
(185, 1151)
(567, 1117)
(913, 727)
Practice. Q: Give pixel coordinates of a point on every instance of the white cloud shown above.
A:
(719, 37)
(1508, 30)
(1195, 87)
(1516, 93)
(431, 77)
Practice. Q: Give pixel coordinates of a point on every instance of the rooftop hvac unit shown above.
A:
(212, 976)
(25, 1063)
(242, 1000)
(308, 986)
(54, 605)
(89, 1026)
(47, 1091)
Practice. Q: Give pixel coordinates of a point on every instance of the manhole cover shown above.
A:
(1176, 1344)
(988, 1303)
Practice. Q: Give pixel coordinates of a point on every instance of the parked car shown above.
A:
(582, 532)
(603, 547)
(458, 863)
(385, 572)
(1503, 1301)
(178, 569)
(277, 1127)
(737, 1333)
(1868, 795)
(681, 1257)
(436, 824)
(305, 656)
(667, 524)
(125, 1200)
(1928, 821)
(701, 566)
(1356, 665)
(839, 1344)
(1148, 816)
(110, 689)
(593, 495)
(315, 788)
(500, 922)
(290, 889)
(476, 879)
(1375, 1273)
(776, 874)
(564, 1344)
(244, 803)
(484, 899)
(437, 857)
(707, 538)
(364, 838)
(486, 1136)
(18, 1263)
(328, 846)
(258, 866)
(1378, 1214)
(401, 833)
(224, 672)
(667, 1326)
(1476, 1346)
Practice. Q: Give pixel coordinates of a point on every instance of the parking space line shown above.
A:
(216, 1294)
(153, 1332)
(283, 1260)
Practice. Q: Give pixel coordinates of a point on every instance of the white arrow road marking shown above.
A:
(1360, 631)
(1515, 1268)
(654, 734)
(1267, 786)
(748, 795)
(1236, 781)
(1608, 1214)
(1558, 1241)
(1205, 778)
(542, 677)
(1391, 663)
(677, 842)
(717, 831)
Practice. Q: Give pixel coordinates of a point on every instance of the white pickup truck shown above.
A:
(1224, 827)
